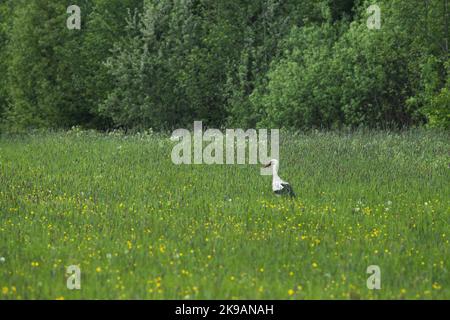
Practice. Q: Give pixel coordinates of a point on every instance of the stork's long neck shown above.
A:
(275, 172)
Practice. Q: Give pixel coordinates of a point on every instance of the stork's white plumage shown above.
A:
(279, 186)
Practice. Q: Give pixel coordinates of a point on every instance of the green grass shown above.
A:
(140, 227)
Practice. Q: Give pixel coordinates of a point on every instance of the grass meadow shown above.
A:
(140, 227)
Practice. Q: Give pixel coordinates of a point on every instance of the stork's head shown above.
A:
(272, 163)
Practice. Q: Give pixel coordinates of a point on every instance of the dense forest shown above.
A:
(161, 64)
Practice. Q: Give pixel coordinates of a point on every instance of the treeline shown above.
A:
(162, 64)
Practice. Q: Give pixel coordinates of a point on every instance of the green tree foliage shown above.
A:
(56, 76)
(299, 92)
(146, 65)
(437, 108)
(164, 63)
(334, 75)
(6, 8)
(43, 56)
(260, 32)
(105, 24)
(340, 9)
(200, 59)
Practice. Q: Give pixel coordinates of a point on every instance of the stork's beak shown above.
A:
(268, 165)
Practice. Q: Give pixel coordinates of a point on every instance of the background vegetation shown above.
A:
(284, 63)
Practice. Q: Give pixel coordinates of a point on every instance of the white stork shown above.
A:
(279, 187)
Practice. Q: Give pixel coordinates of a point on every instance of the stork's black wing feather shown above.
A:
(288, 190)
